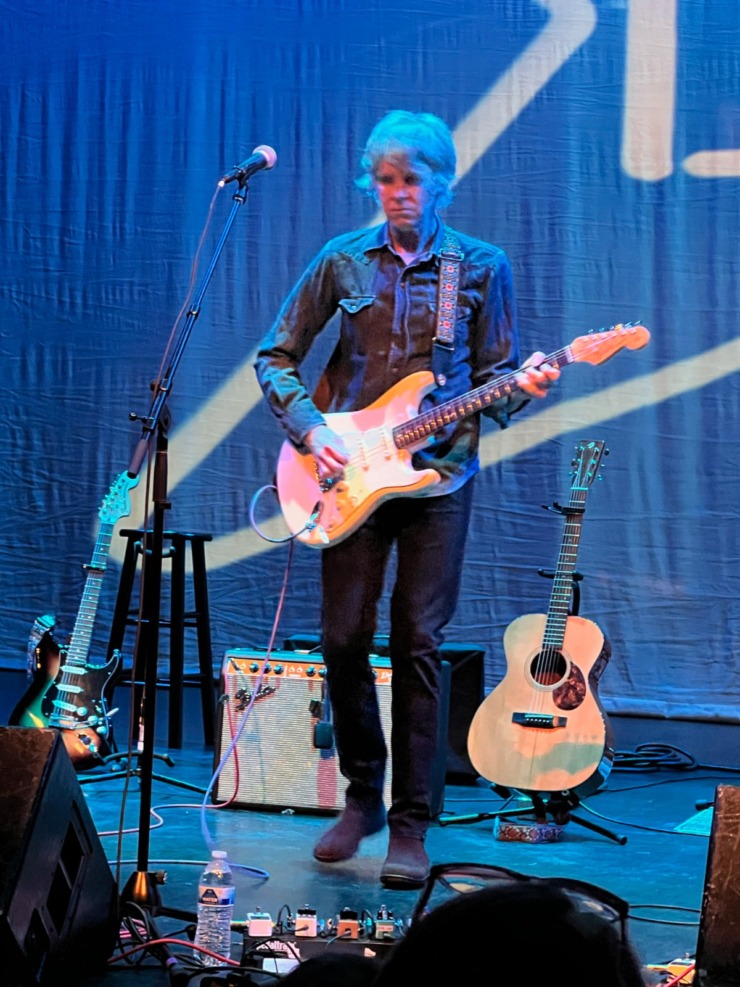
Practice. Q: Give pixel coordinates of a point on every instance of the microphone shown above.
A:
(261, 157)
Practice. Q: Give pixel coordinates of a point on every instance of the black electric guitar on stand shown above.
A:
(68, 692)
(542, 729)
(42, 663)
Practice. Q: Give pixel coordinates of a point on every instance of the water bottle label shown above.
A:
(215, 896)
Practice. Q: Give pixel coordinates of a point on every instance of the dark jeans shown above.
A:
(429, 535)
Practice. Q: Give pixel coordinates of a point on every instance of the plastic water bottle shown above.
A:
(215, 909)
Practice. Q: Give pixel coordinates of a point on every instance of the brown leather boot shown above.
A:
(407, 863)
(342, 841)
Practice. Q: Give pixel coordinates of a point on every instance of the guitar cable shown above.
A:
(311, 523)
(652, 756)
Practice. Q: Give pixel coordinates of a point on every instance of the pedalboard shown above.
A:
(279, 947)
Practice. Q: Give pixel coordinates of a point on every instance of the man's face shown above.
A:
(405, 193)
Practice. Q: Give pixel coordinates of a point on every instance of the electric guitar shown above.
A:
(42, 661)
(382, 438)
(67, 691)
(542, 729)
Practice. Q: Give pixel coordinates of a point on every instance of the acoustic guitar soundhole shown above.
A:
(550, 668)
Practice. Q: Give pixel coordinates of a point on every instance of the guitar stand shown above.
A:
(558, 805)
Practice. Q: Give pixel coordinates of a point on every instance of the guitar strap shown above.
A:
(450, 256)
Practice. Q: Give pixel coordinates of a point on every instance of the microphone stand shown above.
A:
(142, 889)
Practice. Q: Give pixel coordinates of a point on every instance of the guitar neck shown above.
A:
(430, 422)
(562, 591)
(79, 646)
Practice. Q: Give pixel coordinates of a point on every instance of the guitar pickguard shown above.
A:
(75, 703)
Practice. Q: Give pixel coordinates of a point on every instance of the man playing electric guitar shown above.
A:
(412, 295)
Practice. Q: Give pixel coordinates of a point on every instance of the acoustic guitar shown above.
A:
(543, 729)
(382, 438)
(67, 691)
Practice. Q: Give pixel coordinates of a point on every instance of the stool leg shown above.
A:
(203, 627)
(177, 641)
(123, 599)
(120, 622)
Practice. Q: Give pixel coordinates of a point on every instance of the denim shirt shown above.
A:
(387, 323)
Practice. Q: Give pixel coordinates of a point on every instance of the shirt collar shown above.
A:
(379, 237)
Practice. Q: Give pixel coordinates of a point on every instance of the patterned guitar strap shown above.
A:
(450, 256)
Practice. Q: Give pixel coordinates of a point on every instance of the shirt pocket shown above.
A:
(357, 322)
(355, 303)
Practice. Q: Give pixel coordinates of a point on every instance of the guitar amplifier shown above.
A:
(466, 693)
(284, 755)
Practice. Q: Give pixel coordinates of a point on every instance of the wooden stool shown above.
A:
(125, 615)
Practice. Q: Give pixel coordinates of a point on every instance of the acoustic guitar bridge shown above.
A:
(541, 720)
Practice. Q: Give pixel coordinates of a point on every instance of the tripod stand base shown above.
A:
(535, 827)
(530, 824)
(142, 889)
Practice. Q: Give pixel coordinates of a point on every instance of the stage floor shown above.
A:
(662, 775)
(650, 803)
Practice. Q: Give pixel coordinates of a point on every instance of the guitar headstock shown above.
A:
(586, 463)
(117, 503)
(597, 347)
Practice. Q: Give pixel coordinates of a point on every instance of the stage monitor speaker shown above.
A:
(467, 691)
(285, 756)
(718, 945)
(58, 899)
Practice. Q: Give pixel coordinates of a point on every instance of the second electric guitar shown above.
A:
(68, 691)
(382, 438)
(542, 729)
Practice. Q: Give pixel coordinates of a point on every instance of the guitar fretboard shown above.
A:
(429, 422)
(562, 591)
(79, 646)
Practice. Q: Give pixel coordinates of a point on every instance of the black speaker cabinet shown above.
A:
(284, 757)
(467, 691)
(718, 946)
(58, 899)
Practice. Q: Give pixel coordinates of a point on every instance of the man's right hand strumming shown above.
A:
(329, 451)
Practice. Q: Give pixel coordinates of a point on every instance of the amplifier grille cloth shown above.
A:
(277, 764)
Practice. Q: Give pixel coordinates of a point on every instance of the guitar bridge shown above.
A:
(541, 720)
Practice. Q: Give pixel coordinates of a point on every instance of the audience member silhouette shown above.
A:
(518, 933)
(333, 968)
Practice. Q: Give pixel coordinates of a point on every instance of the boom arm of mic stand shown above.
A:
(164, 386)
